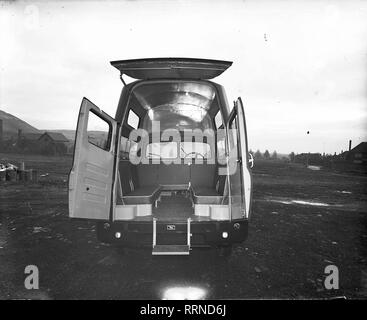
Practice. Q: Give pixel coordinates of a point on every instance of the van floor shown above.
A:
(174, 207)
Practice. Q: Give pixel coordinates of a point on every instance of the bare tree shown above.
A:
(292, 156)
(266, 154)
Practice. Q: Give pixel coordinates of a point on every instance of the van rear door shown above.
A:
(172, 68)
(90, 179)
(238, 163)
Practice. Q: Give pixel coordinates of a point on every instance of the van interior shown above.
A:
(179, 179)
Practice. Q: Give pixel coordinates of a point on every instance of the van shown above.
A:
(171, 170)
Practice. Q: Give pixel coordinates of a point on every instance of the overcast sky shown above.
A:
(298, 65)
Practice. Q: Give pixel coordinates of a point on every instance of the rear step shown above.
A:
(172, 249)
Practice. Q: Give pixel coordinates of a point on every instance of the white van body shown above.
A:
(171, 170)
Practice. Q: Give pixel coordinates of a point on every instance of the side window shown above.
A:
(127, 147)
(125, 144)
(218, 120)
(221, 145)
(133, 119)
(99, 131)
(233, 134)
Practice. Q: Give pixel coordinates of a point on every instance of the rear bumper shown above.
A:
(204, 234)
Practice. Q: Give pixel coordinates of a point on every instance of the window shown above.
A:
(233, 148)
(221, 146)
(218, 120)
(164, 150)
(133, 119)
(124, 144)
(98, 131)
(195, 150)
(168, 150)
(233, 135)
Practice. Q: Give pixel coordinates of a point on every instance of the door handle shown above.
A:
(251, 160)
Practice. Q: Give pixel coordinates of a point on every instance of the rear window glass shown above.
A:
(195, 150)
(165, 150)
(168, 150)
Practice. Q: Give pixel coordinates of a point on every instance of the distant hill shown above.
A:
(11, 125)
(97, 136)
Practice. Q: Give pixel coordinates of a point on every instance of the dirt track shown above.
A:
(302, 221)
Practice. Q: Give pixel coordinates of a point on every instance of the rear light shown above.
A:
(236, 226)
(118, 235)
(224, 235)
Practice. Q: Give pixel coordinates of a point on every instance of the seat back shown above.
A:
(202, 175)
(128, 176)
(174, 174)
(147, 174)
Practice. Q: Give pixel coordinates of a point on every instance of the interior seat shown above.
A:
(142, 195)
(206, 185)
(138, 183)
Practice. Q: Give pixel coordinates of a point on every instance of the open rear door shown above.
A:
(238, 163)
(90, 179)
(172, 68)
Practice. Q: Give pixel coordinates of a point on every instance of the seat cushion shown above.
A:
(142, 195)
(203, 195)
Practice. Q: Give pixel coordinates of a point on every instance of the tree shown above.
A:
(258, 154)
(292, 156)
(266, 154)
(274, 155)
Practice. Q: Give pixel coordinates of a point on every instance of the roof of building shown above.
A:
(56, 136)
(362, 148)
(31, 136)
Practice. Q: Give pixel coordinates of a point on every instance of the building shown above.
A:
(53, 137)
(358, 154)
(53, 143)
(30, 137)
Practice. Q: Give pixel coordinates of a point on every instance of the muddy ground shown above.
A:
(302, 221)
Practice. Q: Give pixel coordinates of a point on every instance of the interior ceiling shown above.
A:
(151, 96)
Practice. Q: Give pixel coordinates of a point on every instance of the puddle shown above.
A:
(309, 203)
(316, 168)
(184, 293)
(345, 192)
(40, 229)
(301, 202)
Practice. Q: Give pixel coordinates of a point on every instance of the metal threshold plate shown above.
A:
(165, 250)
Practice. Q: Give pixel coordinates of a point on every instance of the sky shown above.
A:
(298, 65)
